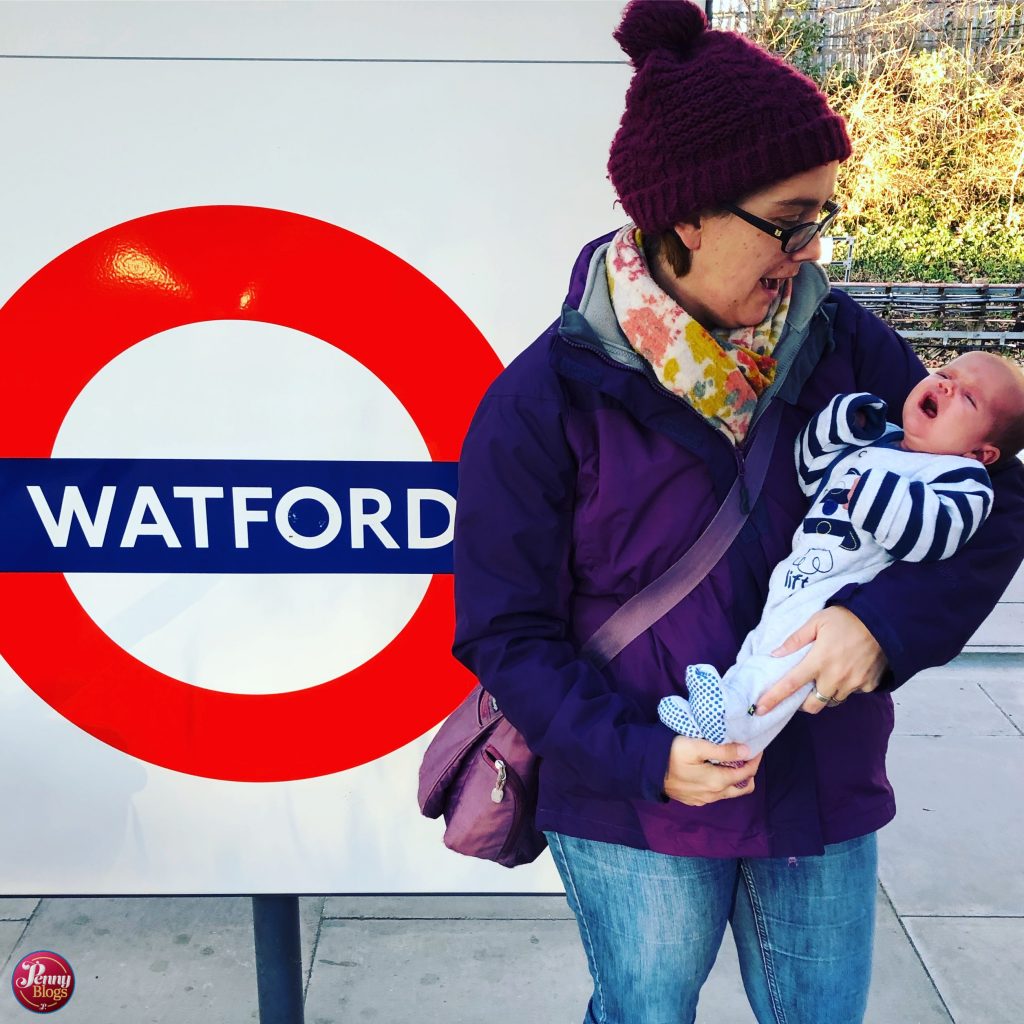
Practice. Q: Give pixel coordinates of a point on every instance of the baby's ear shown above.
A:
(986, 454)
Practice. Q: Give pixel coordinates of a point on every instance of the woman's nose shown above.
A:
(811, 251)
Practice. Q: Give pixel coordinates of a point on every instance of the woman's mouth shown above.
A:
(772, 284)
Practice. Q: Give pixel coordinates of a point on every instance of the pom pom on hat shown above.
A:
(710, 117)
(657, 26)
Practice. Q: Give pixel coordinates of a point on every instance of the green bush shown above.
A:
(918, 247)
(934, 190)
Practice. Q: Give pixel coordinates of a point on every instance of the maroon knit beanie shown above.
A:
(710, 117)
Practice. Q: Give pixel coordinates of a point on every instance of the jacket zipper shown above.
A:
(741, 475)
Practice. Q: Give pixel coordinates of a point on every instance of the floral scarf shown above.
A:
(720, 373)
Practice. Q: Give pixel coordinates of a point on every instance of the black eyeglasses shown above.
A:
(793, 239)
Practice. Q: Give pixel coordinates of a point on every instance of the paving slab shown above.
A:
(723, 998)
(455, 972)
(10, 933)
(16, 908)
(397, 959)
(1015, 591)
(950, 702)
(559, 996)
(154, 960)
(453, 908)
(1007, 693)
(954, 848)
(976, 964)
(901, 990)
(1001, 631)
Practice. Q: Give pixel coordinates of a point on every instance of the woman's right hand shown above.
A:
(692, 780)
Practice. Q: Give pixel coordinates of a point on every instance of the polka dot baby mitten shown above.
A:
(703, 716)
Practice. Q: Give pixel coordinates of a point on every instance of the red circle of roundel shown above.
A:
(246, 263)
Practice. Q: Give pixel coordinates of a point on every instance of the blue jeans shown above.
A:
(652, 925)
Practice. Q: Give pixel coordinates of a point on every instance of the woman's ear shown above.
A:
(689, 234)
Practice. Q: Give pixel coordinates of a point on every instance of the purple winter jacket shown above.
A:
(582, 479)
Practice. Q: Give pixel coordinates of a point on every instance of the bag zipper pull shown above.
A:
(498, 793)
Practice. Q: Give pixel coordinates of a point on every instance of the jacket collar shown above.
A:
(595, 306)
(590, 347)
(588, 322)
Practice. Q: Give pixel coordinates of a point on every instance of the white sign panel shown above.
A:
(261, 261)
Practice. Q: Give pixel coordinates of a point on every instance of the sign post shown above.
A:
(275, 925)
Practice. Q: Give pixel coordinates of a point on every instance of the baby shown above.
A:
(878, 493)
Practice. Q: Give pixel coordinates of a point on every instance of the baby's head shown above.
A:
(973, 406)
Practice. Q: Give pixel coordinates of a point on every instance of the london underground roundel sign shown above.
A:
(182, 267)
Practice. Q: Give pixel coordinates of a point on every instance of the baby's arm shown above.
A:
(720, 709)
(922, 520)
(847, 420)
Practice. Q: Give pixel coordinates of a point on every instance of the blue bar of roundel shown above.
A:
(26, 545)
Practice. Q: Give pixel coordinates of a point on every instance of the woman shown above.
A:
(595, 461)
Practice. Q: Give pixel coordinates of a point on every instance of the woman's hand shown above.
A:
(845, 658)
(691, 780)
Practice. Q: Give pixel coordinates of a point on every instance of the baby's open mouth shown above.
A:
(928, 407)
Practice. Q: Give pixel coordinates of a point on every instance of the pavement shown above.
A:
(949, 945)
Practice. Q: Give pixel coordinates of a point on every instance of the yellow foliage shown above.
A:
(934, 100)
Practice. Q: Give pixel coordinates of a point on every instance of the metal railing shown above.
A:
(849, 27)
(941, 320)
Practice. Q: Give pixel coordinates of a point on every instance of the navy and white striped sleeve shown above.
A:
(922, 520)
(836, 427)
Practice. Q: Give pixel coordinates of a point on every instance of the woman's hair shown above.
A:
(709, 116)
(668, 246)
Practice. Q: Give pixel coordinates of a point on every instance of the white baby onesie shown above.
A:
(910, 506)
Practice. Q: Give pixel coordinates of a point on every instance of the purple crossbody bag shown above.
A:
(478, 771)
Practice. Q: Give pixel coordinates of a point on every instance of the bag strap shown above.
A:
(645, 608)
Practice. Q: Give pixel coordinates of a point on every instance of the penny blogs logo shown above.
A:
(43, 981)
